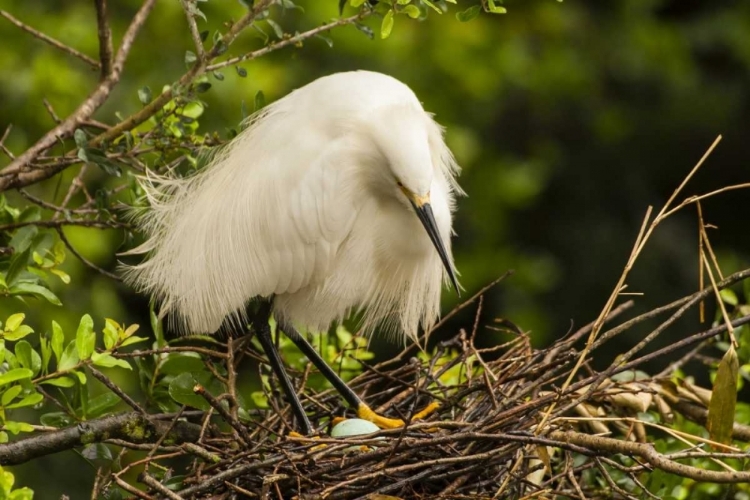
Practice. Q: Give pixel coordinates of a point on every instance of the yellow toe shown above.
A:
(365, 412)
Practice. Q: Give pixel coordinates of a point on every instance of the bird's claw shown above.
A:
(366, 413)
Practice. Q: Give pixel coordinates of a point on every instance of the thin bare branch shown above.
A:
(4, 149)
(294, 40)
(105, 39)
(189, 6)
(51, 41)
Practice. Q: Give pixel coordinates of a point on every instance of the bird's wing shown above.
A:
(265, 217)
(317, 215)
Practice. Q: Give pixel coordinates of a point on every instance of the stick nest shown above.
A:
(509, 426)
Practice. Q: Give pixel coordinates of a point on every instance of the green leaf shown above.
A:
(276, 28)
(495, 9)
(190, 57)
(10, 394)
(69, 357)
(365, 29)
(60, 382)
(56, 419)
(58, 251)
(432, 6)
(58, 337)
(85, 338)
(111, 333)
(15, 374)
(175, 364)
(106, 360)
(729, 297)
(181, 390)
(22, 239)
(101, 404)
(242, 72)
(97, 453)
(156, 327)
(79, 136)
(469, 14)
(387, 25)
(356, 3)
(81, 376)
(724, 399)
(411, 11)
(259, 399)
(129, 331)
(9, 357)
(99, 158)
(46, 352)
(18, 264)
(14, 321)
(132, 340)
(18, 333)
(64, 277)
(16, 427)
(202, 87)
(144, 95)
(193, 110)
(36, 291)
(221, 47)
(24, 493)
(28, 357)
(260, 100)
(29, 400)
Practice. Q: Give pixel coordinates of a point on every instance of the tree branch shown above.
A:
(132, 427)
(18, 173)
(105, 38)
(600, 445)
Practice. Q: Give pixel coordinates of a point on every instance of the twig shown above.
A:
(83, 259)
(116, 389)
(293, 40)
(47, 39)
(4, 149)
(148, 480)
(105, 39)
(216, 405)
(188, 6)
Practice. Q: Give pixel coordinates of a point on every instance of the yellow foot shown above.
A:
(294, 434)
(365, 413)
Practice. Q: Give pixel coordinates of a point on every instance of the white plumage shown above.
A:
(314, 202)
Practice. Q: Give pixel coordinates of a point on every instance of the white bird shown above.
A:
(338, 197)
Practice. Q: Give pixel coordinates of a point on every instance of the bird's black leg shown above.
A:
(363, 411)
(349, 396)
(263, 332)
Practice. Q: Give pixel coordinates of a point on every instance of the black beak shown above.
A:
(427, 218)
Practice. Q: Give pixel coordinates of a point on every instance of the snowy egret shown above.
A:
(336, 198)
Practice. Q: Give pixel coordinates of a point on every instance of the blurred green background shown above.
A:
(569, 120)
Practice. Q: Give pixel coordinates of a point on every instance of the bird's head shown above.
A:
(401, 135)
